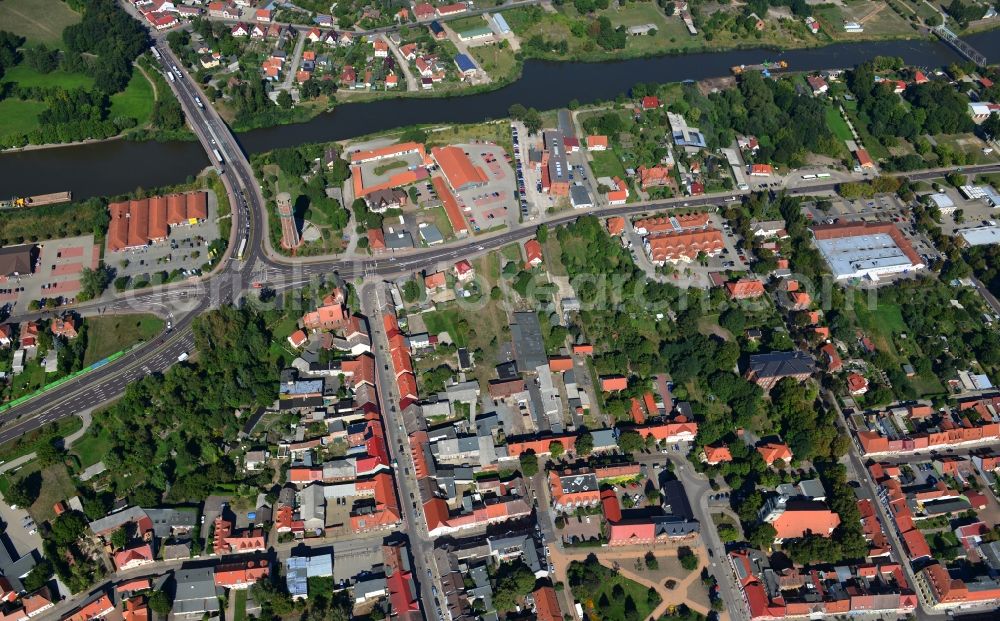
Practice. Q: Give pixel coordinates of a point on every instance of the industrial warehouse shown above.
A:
(866, 251)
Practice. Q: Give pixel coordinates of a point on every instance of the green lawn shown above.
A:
(884, 323)
(606, 164)
(615, 611)
(444, 321)
(499, 62)
(18, 116)
(240, 605)
(467, 23)
(39, 21)
(107, 335)
(26, 76)
(394, 164)
(835, 121)
(135, 101)
(92, 447)
(512, 252)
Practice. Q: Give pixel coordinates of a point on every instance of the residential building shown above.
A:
(767, 369)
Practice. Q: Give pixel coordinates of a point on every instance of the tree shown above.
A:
(49, 452)
(651, 562)
(584, 444)
(411, 291)
(68, 527)
(41, 58)
(22, 493)
(285, 100)
(119, 538)
(40, 574)
(93, 282)
(630, 441)
(159, 603)
(688, 559)
(529, 464)
(556, 449)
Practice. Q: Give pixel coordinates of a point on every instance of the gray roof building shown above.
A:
(167, 522)
(13, 567)
(196, 593)
(529, 347)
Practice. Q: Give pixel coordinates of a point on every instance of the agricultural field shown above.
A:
(39, 21)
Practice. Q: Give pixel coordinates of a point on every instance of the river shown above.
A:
(121, 166)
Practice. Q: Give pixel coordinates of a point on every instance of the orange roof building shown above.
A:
(800, 518)
(597, 143)
(684, 246)
(546, 604)
(133, 557)
(613, 383)
(97, 609)
(458, 169)
(616, 225)
(451, 208)
(139, 223)
(775, 451)
(434, 282)
(653, 176)
(532, 253)
(745, 288)
(560, 363)
(717, 454)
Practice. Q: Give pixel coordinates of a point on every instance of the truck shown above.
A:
(197, 101)
(155, 52)
(184, 356)
(171, 76)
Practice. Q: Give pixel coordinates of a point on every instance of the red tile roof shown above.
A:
(457, 167)
(532, 252)
(613, 383)
(745, 288)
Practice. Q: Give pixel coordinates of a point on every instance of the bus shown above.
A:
(155, 52)
(808, 176)
(242, 249)
(218, 156)
(823, 176)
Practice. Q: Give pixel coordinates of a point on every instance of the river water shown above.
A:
(122, 166)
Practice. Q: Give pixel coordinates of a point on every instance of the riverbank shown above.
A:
(120, 166)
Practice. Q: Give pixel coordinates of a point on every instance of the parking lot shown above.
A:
(56, 272)
(494, 204)
(185, 249)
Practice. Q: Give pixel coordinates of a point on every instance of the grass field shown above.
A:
(467, 23)
(17, 116)
(835, 121)
(440, 219)
(26, 76)
(135, 101)
(107, 335)
(92, 447)
(39, 21)
(445, 321)
(499, 63)
(606, 164)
